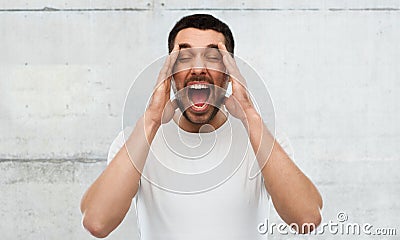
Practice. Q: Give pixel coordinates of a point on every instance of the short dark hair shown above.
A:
(202, 22)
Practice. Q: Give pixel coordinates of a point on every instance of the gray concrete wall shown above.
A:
(332, 68)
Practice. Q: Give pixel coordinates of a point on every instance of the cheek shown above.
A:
(220, 79)
(179, 79)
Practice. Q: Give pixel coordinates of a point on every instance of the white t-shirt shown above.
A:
(199, 185)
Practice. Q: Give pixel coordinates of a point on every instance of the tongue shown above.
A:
(199, 97)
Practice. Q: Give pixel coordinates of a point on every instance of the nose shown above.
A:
(198, 67)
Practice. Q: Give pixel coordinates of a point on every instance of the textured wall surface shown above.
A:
(332, 68)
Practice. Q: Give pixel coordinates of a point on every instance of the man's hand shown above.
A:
(238, 103)
(161, 109)
(295, 197)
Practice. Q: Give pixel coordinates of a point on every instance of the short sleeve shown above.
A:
(118, 143)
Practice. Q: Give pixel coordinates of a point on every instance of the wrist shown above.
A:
(151, 120)
(250, 116)
(149, 125)
(252, 122)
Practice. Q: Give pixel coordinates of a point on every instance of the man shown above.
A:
(227, 204)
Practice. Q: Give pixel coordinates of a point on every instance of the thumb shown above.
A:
(169, 111)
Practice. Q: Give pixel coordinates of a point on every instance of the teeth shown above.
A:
(198, 86)
(201, 107)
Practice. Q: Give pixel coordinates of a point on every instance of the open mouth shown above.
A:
(198, 93)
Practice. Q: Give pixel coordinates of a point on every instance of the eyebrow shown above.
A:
(212, 46)
(184, 45)
(187, 45)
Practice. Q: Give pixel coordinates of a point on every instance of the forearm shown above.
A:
(295, 197)
(107, 201)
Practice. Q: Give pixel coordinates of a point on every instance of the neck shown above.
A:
(218, 120)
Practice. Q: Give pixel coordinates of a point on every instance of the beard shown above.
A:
(206, 117)
(205, 121)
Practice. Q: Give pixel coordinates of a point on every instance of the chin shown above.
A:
(201, 118)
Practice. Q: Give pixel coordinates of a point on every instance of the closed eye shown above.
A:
(213, 58)
(184, 59)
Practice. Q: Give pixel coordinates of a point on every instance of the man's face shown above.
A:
(199, 74)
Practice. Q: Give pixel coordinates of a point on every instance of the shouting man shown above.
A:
(211, 194)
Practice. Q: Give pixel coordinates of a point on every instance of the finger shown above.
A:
(173, 56)
(222, 48)
(166, 70)
(230, 63)
(226, 99)
(174, 104)
(227, 59)
(172, 59)
(171, 105)
(169, 111)
(225, 55)
(230, 104)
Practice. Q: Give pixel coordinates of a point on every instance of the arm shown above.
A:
(294, 196)
(108, 199)
(106, 202)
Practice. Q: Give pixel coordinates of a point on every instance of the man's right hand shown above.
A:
(161, 109)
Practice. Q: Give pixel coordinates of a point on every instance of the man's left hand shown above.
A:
(238, 103)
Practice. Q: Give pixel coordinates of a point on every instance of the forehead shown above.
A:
(199, 38)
